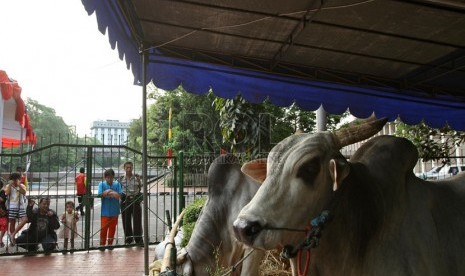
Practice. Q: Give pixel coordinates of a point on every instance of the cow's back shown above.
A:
(444, 219)
(422, 223)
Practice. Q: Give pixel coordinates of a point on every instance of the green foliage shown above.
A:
(206, 123)
(238, 122)
(193, 124)
(188, 228)
(218, 270)
(255, 128)
(135, 134)
(432, 144)
(190, 217)
(50, 129)
(193, 210)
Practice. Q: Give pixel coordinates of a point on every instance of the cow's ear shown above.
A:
(255, 169)
(338, 169)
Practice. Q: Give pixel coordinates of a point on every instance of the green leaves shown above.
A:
(190, 217)
(192, 123)
(47, 125)
(432, 144)
(206, 124)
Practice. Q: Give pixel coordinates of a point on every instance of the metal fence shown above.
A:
(51, 172)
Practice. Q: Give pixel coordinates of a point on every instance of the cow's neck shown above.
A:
(203, 240)
(358, 211)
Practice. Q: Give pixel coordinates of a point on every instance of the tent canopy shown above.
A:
(401, 59)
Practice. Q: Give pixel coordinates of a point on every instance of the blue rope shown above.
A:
(313, 237)
(321, 219)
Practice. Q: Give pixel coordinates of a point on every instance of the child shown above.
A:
(111, 193)
(69, 220)
(16, 204)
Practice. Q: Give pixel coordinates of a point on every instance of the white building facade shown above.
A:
(110, 132)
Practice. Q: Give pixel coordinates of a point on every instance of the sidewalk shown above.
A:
(118, 262)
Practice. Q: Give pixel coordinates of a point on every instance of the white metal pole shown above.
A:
(321, 120)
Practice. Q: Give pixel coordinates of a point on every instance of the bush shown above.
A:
(190, 217)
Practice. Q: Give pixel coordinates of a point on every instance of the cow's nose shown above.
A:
(246, 231)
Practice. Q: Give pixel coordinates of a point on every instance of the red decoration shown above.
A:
(10, 88)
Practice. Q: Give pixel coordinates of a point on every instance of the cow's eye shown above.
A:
(309, 170)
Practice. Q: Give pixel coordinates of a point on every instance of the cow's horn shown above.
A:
(358, 132)
(166, 257)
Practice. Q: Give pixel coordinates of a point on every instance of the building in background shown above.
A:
(110, 132)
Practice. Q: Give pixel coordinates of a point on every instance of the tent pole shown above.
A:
(321, 120)
(144, 158)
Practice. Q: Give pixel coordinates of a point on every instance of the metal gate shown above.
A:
(51, 172)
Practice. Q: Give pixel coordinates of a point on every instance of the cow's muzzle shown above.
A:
(246, 231)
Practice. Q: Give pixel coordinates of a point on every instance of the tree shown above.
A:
(206, 124)
(135, 134)
(49, 127)
(245, 125)
(432, 143)
(193, 124)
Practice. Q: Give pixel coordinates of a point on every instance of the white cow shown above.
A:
(213, 242)
(370, 216)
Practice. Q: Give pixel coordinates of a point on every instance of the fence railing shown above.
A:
(51, 173)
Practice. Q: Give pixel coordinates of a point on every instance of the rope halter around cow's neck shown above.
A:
(312, 239)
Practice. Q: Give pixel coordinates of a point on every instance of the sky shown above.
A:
(60, 59)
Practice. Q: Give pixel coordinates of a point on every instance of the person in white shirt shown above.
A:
(16, 204)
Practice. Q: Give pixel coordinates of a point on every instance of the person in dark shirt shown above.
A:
(3, 213)
(44, 222)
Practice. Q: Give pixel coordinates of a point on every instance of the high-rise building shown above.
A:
(110, 132)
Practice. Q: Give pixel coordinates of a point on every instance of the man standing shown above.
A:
(131, 211)
(44, 221)
(81, 189)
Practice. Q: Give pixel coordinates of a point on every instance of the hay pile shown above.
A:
(274, 265)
